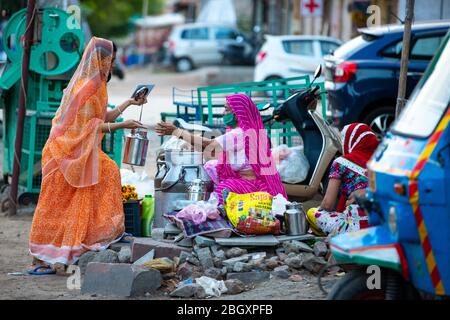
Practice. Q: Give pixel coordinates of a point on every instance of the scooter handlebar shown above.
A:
(316, 88)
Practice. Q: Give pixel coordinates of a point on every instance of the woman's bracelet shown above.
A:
(120, 111)
(109, 127)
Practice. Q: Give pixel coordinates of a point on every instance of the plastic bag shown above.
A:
(251, 213)
(174, 143)
(293, 166)
(201, 211)
(143, 184)
(279, 204)
(212, 286)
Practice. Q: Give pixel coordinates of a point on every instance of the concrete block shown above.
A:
(145, 258)
(202, 241)
(124, 280)
(141, 246)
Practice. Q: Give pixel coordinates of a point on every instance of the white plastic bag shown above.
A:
(279, 204)
(293, 165)
(173, 143)
(212, 286)
(143, 184)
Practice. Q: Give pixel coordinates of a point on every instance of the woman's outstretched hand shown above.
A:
(165, 129)
(137, 102)
(132, 124)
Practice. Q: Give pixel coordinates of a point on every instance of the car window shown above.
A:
(195, 34)
(350, 47)
(393, 51)
(225, 33)
(425, 48)
(299, 47)
(327, 47)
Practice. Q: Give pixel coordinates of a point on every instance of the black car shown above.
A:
(362, 75)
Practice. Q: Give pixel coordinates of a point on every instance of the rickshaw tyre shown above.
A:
(353, 286)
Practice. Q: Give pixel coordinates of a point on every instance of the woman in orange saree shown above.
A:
(80, 204)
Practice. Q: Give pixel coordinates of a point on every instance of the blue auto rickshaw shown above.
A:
(408, 201)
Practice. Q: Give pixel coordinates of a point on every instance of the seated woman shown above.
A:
(242, 158)
(347, 179)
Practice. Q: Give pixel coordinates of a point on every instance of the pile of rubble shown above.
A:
(201, 267)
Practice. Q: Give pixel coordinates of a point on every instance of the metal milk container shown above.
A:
(295, 219)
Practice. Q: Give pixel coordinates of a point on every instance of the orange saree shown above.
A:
(80, 204)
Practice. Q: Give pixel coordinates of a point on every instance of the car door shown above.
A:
(423, 48)
(199, 45)
(223, 36)
(300, 56)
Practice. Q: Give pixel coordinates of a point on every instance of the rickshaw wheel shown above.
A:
(353, 286)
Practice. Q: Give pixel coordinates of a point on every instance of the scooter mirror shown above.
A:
(318, 72)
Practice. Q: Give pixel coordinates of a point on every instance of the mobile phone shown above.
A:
(142, 91)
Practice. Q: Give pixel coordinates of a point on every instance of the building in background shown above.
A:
(336, 18)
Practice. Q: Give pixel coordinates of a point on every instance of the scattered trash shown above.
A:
(185, 282)
(164, 265)
(212, 287)
(16, 274)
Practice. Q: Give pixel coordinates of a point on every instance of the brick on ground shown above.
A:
(141, 246)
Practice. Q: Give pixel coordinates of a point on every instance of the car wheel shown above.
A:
(279, 93)
(184, 65)
(380, 120)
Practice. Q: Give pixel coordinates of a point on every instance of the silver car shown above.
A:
(195, 44)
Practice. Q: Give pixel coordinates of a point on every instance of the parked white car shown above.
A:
(292, 56)
(195, 44)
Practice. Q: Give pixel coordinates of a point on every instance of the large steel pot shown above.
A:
(176, 170)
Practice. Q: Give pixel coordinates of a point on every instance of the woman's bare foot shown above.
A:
(36, 263)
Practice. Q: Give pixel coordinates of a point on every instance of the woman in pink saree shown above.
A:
(244, 161)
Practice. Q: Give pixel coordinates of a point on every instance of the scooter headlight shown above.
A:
(392, 219)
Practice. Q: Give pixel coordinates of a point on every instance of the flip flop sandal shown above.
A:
(36, 271)
(122, 240)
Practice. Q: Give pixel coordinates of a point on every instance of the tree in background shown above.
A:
(111, 18)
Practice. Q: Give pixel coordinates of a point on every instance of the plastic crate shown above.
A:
(36, 130)
(132, 210)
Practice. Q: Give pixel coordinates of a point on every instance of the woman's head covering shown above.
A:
(257, 145)
(359, 143)
(75, 138)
